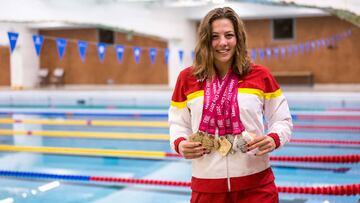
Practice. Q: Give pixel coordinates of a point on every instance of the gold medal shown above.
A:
(225, 146)
(196, 137)
(216, 144)
(208, 142)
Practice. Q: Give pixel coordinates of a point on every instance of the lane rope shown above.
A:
(140, 136)
(89, 122)
(351, 189)
(349, 158)
(86, 134)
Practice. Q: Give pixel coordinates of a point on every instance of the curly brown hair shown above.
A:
(203, 66)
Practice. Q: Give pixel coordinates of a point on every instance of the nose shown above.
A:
(222, 41)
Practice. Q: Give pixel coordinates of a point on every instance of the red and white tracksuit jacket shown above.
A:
(259, 97)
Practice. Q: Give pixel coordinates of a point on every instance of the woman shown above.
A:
(216, 116)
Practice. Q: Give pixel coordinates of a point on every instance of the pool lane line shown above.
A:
(347, 158)
(128, 123)
(148, 136)
(86, 151)
(86, 134)
(91, 114)
(297, 116)
(327, 128)
(349, 189)
(157, 124)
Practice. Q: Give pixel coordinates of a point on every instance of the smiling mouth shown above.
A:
(223, 52)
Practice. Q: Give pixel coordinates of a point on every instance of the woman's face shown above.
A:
(223, 42)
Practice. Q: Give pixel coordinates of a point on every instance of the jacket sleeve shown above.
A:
(179, 116)
(277, 113)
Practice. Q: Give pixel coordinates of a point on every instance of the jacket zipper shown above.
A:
(227, 174)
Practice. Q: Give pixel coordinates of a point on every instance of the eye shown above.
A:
(229, 36)
(214, 37)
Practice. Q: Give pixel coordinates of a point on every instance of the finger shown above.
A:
(256, 140)
(188, 144)
(193, 155)
(266, 147)
(267, 150)
(194, 150)
(257, 144)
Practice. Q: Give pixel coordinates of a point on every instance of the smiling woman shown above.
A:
(223, 45)
(216, 116)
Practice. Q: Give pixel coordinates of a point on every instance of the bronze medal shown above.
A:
(196, 137)
(208, 142)
(216, 144)
(225, 146)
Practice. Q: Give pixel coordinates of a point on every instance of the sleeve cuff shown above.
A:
(276, 138)
(177, 142)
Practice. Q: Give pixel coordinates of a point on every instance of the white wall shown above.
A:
(174, 24)
(24, 62)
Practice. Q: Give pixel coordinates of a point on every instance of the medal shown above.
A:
(196, 137)
(240, 144)
(208, 142)
(247, 136)
(231, 139)
(241, 141)
(216, 144)
(225, 146)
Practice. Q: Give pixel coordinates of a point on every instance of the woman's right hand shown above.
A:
(191, 150)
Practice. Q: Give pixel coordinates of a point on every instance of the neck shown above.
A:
(222, 70)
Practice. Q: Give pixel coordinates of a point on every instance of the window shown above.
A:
(106, 36)
(283, 29)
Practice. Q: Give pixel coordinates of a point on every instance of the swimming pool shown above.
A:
(55, 160)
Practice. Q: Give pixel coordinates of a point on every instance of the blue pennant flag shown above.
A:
(349, 32)
(101, 47)
(82, 46)
(323, 42)
(120, 52)
(283, 52)
(181, 55)
(152, 54)
(295, 49)
(193, 55)
(289, 50)
(301, 48)
(307, 47)
(61, 45)
(268, 53)
(318, 42)
(38, 42)
(166, 55)
(13, 36)
(337, 37)
(313, 45)
(327, 42)
(276, 52)
(261, 54)
(137, 54)
(253, 54)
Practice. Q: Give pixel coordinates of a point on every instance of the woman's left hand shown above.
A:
(265, 144)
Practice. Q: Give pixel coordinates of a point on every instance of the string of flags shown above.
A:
(269, 52)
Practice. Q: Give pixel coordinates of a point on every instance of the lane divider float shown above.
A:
(351, 189)
(349, 158)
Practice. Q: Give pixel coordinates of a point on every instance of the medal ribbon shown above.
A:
(220, 107)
